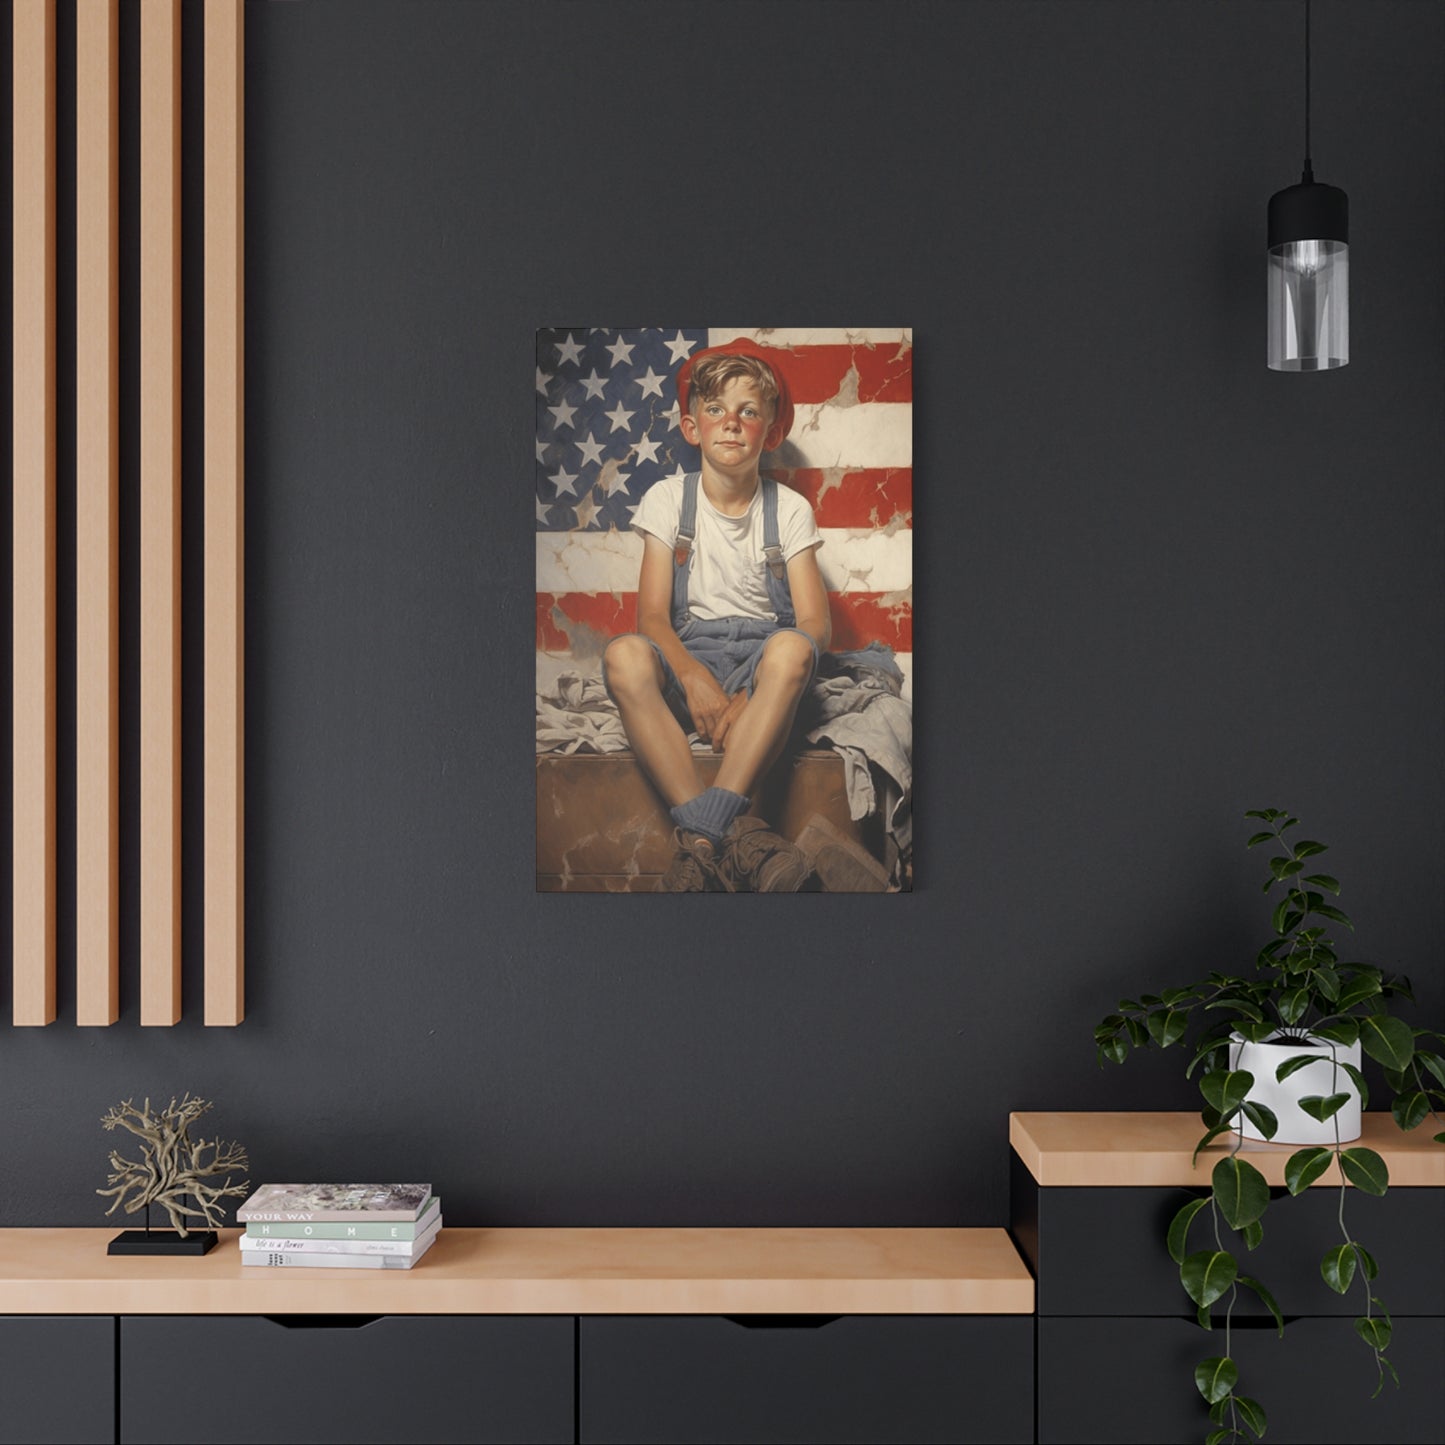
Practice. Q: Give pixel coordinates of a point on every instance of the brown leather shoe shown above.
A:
(757, 860)
(694, 867)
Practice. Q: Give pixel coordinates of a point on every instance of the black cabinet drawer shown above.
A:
(785, 1379)
(57, 1379)
(1101, 1251)
(1117, 1381)
(345, 1378)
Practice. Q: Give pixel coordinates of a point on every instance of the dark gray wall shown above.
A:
(1157, 585)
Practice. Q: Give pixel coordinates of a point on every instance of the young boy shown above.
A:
(732, 616)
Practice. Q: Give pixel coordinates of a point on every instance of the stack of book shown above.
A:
(339, 1226)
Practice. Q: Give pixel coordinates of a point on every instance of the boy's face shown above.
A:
(731, 429)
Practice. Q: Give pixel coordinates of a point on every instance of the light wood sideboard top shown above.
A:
(542, 1271)
(1112, 1149)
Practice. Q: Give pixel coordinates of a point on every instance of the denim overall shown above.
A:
(729, 647)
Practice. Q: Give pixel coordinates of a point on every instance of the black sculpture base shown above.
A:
(162, 1241)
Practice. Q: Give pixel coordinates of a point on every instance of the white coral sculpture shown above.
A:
(172, 1165)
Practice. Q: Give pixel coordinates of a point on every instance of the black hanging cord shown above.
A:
(1309, 172)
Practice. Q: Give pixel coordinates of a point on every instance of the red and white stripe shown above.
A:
(850, 453)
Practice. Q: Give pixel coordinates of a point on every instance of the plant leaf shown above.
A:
(1178, 1237)
(1344, 1033)
(1292, 1004)
(1389, 1041)
(1258, 838)
(1115, 1050)
(1307, 848)
(1367, 1263)
(1253, 1235)
(1240, 1191)
(1358, 1080)
(1256, 1033)
(1323, 880)
(1304, 1166)
(1207, 1047)
(1202, 1315)
(1277, 920)
(1294, 1064)
(1374, 1331)
(1253, 1413)
(1411, 1110)
(1239, 1005)
(1338, 1267)
(1226, 1089)
(1263, 1118)
(1365, 1170)
(1216, 1377)
(1335, 915)
(1317, 1106)
(1357, 990)
(1270, 1303)
(1215, 1131)
(1207, 1274)
(1166, 1026)
(1433, 1062)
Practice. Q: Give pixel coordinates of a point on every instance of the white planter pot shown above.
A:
(1325, 1077)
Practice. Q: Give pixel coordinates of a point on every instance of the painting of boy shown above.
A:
(711, 671)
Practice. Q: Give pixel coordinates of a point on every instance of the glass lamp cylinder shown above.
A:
(1309, 305)
(1309, 279)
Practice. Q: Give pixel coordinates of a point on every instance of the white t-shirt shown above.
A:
(729, 571)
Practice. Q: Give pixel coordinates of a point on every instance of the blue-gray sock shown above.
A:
(711, 812)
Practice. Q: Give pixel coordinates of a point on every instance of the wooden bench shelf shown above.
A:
(1108, 1150)
(543, 1271)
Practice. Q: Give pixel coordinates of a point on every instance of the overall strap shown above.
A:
(687, 522)
(682, 549)
(772, 545)
(780, 594)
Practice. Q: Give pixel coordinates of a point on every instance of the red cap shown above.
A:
(741, 346)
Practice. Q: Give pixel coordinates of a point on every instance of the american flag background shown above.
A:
(607, 428)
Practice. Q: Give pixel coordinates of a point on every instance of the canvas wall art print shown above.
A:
(724, 624)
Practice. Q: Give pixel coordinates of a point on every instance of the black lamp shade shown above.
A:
(1309, 211)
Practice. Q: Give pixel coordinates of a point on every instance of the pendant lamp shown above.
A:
(1309, 266)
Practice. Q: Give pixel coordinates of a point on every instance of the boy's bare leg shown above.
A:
(755, 740)
(635, 677)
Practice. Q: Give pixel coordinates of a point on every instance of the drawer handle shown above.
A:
(782, 1322)
(1258, 1322)
(322, 1322)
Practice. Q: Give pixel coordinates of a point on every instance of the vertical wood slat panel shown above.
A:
(225, 512)
(33, 503)
(160, 504)
(97, 433)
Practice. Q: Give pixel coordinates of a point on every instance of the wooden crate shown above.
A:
(601, 827)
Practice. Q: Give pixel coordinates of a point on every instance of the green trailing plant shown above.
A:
(1300, 992)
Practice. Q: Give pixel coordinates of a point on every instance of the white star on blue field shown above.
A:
(607, 422)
